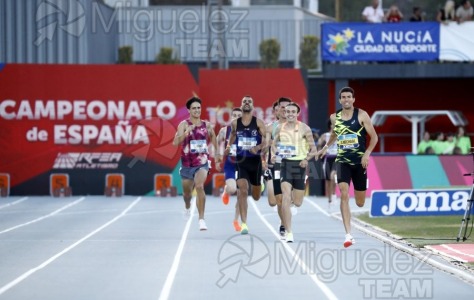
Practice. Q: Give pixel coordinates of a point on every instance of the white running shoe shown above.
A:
(349, 241)
(186, 213)
(202, 225)
(289, 237)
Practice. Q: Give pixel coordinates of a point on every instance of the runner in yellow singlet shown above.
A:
(294, 143)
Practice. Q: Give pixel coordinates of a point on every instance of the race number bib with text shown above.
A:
(198, 146)
(348, 141)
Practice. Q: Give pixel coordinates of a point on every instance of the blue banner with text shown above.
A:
(418, 202)
(407, 41)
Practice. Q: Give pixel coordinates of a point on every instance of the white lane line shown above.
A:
(421, 256)
(30, 272)
(307, 270)
(165, 291)
(442, 253)
(322, 210)
(13, 203)
(456, 251)
(43, 217)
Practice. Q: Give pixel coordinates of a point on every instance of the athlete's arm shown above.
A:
(221, 140)
(322, 140)
(268, 136)
(332, 139)
(310, 139)
(232, 136)
(308, 135)
(181, 133)
(263, 132)
(212, 136)
(365, 121)
(276, 139)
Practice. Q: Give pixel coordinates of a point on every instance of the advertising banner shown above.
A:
(410, 41)
(457, 41)
(419, 202)
(88, 121)
(226, 88)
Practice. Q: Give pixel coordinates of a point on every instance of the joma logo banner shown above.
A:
(419, 202)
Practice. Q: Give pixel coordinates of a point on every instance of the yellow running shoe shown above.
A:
(244, 229)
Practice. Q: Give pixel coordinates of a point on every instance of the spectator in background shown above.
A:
(373, 13)
(417, 15)
(424, 143)
(464, 12)
(393, 15)
(438, 144)
(429, 151)
(449, 144)
(463, 141)
(447, 13)
(457, 151)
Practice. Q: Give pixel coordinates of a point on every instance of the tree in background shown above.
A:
(269, 53)
(309, 52)
(166, 57)
(125, 54)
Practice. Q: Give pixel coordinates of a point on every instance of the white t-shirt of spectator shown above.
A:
(465, 14)
(373, 15)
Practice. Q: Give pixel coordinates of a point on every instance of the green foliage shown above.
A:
(166, 57)
(125, 54)
(309, 52)
(269, 53)
(421, 230)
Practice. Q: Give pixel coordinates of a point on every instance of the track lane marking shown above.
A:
(165, 291)
(13, 203)
(30, 272)
(44, 216)
(324, 288)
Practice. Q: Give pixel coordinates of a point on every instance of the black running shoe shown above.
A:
(282, 231)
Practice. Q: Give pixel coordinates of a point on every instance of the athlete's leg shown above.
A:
(237, 215)
(188, 185)
(359, 178)
(230, 186)
(199, 179)
(256, 192)
(297, 197)
(270, 193)
(242, 195)
(345, 210)
(360, 197)
(286, 202)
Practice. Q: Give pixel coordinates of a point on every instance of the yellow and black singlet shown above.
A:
(351, 138)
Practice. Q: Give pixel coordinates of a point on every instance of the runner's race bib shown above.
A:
(246, 143)
(198, 146)
(286, 151)
(233, 150)
(348, 141)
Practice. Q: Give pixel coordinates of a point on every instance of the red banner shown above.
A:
(90, 120)
(89, 117)
(227, 88)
